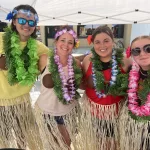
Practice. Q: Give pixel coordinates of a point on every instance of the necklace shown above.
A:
(67, 95)
(138, 112)
(118, 84)
(143, 73)
(114, 73)
(22, 64)
(65, 89)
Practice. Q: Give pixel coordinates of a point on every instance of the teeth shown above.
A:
(64, 49)
(102, 50)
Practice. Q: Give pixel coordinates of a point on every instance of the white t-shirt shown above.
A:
(48, 101)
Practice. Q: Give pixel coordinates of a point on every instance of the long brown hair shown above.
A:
(102, 29)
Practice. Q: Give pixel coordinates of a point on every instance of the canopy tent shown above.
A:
(74, 12)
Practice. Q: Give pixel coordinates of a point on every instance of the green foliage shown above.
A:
(53, 68)
(121, 85)
(138, 118)
(22, 64)
(142, 95)
(145, 84)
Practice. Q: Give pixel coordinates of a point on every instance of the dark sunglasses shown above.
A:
(23, 21)
(136, 51)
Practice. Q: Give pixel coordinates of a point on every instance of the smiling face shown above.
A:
(65, 44)
(143, 59)
(25, 30)
(103, 45)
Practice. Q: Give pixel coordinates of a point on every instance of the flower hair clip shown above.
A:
(59, 33)
(89, 39)
(11, 14)
(128, 52)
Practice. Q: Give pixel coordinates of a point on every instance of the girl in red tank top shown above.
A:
(106, 84)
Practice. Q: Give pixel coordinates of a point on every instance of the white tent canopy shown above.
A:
(74, 12)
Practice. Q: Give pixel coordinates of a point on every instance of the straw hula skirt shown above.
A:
(134, 135)
(98, 126)
(18, 128)
(52, 127)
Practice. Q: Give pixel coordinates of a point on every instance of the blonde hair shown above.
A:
(140, 37)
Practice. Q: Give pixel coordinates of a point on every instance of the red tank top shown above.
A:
(90, 92)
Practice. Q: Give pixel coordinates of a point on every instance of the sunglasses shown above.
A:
(136, 51)
(23, 21)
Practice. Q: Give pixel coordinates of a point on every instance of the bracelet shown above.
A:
(2, 55)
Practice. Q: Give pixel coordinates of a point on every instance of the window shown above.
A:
(118, 30)
(84, 30)
(50, 31)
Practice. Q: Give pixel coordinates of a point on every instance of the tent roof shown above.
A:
(74, 12)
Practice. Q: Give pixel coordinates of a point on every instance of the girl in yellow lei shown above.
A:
(22, 57)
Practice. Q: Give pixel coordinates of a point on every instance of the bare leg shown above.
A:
(64, 134)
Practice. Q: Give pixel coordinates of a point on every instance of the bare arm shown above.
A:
(80, 58)
(85, 65)
(42, 62)
(2, 62)
(127, 63)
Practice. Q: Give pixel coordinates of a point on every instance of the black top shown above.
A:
(143, 73)
(106, 65)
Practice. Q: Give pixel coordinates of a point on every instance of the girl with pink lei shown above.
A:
(106, 84)
(57, 107)
(135, 116)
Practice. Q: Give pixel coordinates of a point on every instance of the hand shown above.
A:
(3, 62)
(47, 81)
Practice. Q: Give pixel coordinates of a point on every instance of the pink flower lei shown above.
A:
(133, 106)
(68, 94)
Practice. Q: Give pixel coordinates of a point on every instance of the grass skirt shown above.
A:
(49, 132)
(98, 126)
(134, 135)
(17, 125)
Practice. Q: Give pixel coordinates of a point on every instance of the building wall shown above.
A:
(83, 41)
(42, 30)
(127, 35)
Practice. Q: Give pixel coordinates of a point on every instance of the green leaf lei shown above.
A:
(142, 94)
(121, 85)
(22, 64)
(53, 69)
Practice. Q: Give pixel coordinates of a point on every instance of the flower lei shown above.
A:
(136, 111)
(65, 94)
(59, 33)
(114, 73)
(22, 64)
(119, 82)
